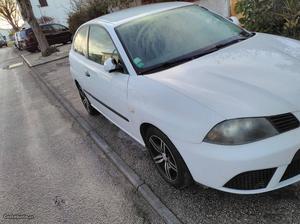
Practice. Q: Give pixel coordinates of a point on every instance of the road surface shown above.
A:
(50, 171)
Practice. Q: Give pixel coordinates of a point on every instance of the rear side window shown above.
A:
(101, 47)
(80, 41)
(59, 27)
(47, 28)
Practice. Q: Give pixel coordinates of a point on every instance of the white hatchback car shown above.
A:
(211, 101)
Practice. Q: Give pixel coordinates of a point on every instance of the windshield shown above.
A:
(153, 40)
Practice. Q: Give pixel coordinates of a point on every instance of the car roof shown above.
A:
(122, 16)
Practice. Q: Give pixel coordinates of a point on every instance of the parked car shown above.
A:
(55, 34)
(2, 42)
(18, 40)
(212, 102)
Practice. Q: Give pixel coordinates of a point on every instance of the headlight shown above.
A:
(240, 131)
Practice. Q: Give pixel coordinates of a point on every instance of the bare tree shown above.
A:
(28, 16)
(9, 12)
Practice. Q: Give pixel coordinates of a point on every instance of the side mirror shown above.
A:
(110, 65)
(235, 20)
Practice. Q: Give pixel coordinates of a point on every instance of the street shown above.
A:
(50, 171)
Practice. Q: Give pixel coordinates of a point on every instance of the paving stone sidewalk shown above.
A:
(36, 59)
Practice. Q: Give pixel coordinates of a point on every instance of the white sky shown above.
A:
(4, 24)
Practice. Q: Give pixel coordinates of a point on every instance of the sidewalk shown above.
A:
(36, 59)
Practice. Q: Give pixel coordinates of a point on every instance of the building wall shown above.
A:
(57, 9)
(221, 7)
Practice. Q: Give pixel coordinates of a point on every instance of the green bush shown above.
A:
(280, 17)
(82, 13)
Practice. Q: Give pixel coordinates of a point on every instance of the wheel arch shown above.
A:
(143, 130)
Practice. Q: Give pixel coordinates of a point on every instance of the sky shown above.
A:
(4, 24)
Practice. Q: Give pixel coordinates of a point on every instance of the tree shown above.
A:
(28, 16)
(9, 12)
(281, 17)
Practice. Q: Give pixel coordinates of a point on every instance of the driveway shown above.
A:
(50, 171)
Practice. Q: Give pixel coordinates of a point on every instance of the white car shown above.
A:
(212, 102)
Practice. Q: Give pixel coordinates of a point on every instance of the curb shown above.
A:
(142, 188)
(42, 63)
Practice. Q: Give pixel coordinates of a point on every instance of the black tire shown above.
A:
(86, 103)
(178, 175)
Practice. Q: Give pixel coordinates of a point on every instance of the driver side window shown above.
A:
(101, 46)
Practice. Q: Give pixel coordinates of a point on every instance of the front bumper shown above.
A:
(274, 160)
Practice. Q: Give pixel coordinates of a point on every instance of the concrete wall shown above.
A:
(220, 6)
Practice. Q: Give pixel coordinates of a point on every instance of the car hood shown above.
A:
(257, 77)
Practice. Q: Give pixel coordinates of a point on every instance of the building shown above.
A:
(56, 9)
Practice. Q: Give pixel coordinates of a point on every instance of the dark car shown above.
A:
(2, 42)
(55, 34)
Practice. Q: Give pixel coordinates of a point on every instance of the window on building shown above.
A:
(43, 3)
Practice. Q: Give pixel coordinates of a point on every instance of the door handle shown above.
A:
(87, 74)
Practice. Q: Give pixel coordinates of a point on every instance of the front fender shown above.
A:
(178, 116)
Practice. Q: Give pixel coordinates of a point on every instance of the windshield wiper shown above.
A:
(192, 56)
(231, 42)
(178, 61)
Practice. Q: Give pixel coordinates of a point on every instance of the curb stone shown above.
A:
(142, 188)
(42, 63)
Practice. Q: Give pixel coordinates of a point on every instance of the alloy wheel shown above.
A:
(163, 158)
(84, 100)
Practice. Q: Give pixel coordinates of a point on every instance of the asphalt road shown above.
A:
(50, 171)
(193, 205)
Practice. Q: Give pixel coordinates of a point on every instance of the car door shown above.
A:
(62, 34)
(49, 33)
(78, 56)
(106, 91)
